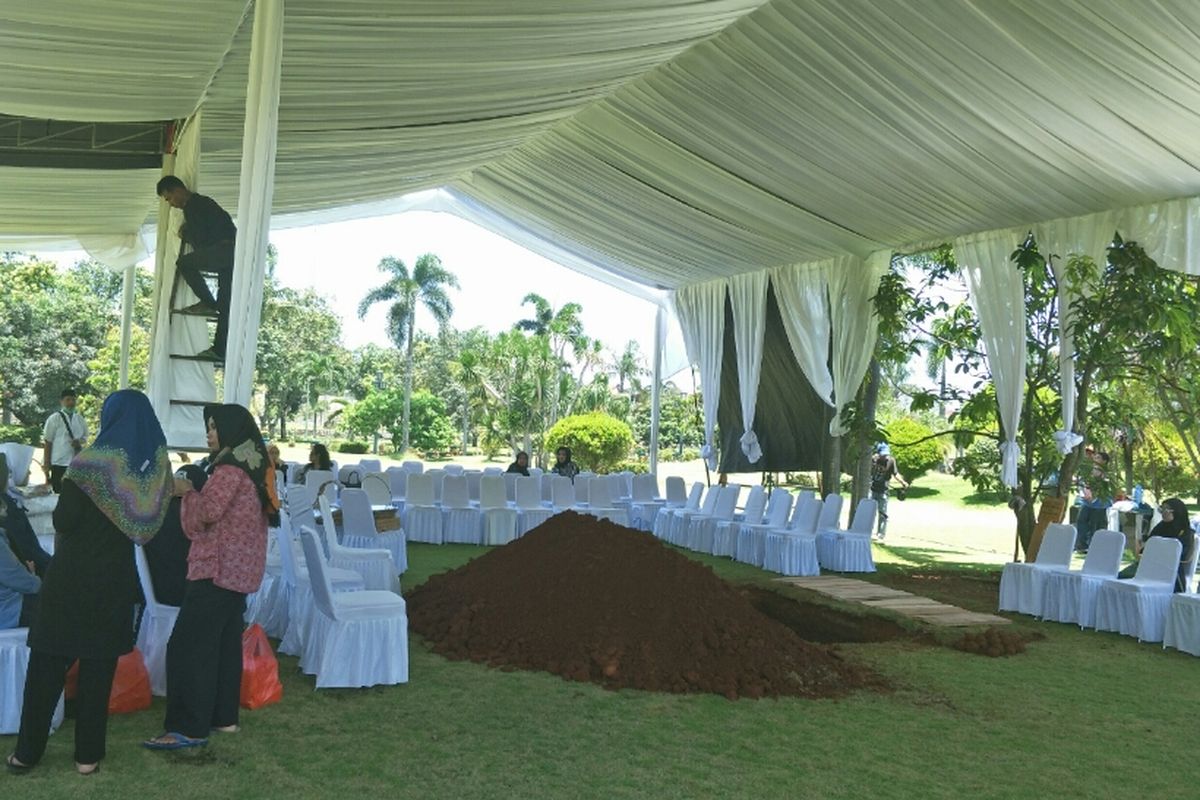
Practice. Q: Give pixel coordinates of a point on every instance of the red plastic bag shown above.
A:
(260, 670)
(130, 687)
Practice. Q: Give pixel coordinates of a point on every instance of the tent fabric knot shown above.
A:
(1010, 454)
(751, 447)
(709, 454)
(1066, 441)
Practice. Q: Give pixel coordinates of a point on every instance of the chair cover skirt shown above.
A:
(662, 522)
(376, 572)
(153, 635)
(791, 554)
(423, 524)
(363, 647)
(843, 551)
(500, 525)
(268, 606)
(751, 545)
(461, 526)
(301, 611)
(14, 663)
(1182, 629)
(643, 514)
(395, 542)
(530, 518)
(1071, 597)
(725, 538)
(1133, 611)
(1022, 586)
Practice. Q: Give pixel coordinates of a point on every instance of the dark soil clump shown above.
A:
(592, 601)
(995, 642)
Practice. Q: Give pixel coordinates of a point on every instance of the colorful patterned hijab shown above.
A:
(240, 444)
(126, 471)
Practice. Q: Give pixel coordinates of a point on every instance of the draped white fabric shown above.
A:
(748, 298)
(802, 293)
(998, 297)
(852, 284)
(701, 312)
(1088, 235)
(256, 190)
(171, 379)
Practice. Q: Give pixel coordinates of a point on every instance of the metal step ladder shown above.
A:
(191, 378)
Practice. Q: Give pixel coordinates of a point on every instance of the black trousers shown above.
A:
(216, 258)
(204, 661)
(43, 684)
(56, 476)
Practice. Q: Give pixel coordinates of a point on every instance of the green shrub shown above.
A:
(980, 465)
(636, 467)
(672, 454)
(352, 448)
(598, 441)
(21, 434)
(916, 459)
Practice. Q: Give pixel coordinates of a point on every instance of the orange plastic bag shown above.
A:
(130, 688)
(260, 670)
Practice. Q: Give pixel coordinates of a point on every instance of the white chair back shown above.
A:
(1103, 557)
(322, 591)
(492, 492)
(492, 471)
(600, 492)
(314, 479)
(438, 477)
(536, 472)
(586, 475)
(287, 556)
(781, 508)
(1058, 542)
(564, 491)
(378, 488)
(756, 505)
(357, 518)
(710, 500)
(726, 503)
(528, 492)
(618, 487)
(413, 467)
(583, 489)
(510, 485)
(455, 493)
(864, 516)
(298, 502)
(143, 570)
(326, 530)
(351, 475)
(547, 486)
(371, 465)
(676, 491)
(807, 519)
(695, 494)
(1160, 560)
(398, 482)
(831, 513)
(644, 488)
(1189, 573)
(454, 469)
(420, 489)
(474, 482)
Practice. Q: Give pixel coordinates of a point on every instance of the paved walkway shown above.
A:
(904, 603)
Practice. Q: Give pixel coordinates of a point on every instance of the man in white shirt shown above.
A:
(62, 438)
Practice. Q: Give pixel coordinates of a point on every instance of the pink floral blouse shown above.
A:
(228, 529)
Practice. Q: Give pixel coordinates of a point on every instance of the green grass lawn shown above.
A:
(1080, 715)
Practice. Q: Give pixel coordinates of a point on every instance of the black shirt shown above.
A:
(518, 469)
(205, 223)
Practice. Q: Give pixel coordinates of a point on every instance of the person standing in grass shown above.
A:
(227, 525)
(883, 471)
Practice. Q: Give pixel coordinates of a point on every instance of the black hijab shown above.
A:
(1179, 524)
(241, 445)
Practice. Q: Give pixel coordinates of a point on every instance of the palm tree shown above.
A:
(425, 286)
(628, 367)
(561, 329)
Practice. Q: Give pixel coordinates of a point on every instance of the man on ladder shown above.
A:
(209, 231)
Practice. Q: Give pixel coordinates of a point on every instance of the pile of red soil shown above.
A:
(592, 601)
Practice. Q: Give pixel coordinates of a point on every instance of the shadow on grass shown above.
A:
(925, 558)
(985, 499)
(921, 492)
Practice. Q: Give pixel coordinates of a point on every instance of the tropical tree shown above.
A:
(425, 285)
(628, 368)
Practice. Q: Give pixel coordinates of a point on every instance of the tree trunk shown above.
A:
(466, 428)
(408, 382)
(831, 460)
(868, 402)
(1070, 462)
(282, 425)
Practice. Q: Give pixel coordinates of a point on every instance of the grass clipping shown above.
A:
(592, 601)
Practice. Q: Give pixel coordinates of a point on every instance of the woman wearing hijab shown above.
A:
(318, 458)
(520, 465)
(563, 465)
(1174, 525)
(115, 493)
(227, 524)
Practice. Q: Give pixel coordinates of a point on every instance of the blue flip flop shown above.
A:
(173, 741)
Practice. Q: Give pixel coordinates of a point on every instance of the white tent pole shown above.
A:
(255, 193)
(126, 324)
(660, 343)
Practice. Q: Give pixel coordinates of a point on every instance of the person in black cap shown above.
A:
(883, 470)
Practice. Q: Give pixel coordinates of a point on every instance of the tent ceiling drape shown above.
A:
(674, 141)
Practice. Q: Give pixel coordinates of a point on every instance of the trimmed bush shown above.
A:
(598, 442)
(352, 448)
(916, 459)
(21, 434)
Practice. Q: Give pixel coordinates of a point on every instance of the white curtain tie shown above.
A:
(836, 428)
(1010, 454)
(1066, 441)
(751, 447)
(709, 454)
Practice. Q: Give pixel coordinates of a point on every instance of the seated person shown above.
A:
(318, 458)
(563, 465)
(521, 465)
(18, 588)
(167, 552)
(1174, 525)
(20, 536)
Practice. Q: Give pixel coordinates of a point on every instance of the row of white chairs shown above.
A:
(1143, 606)
(776, 532)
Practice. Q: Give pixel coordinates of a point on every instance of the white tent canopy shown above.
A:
(667, 142)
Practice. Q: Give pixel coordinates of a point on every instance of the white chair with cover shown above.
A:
(724, 535)
(1070, 596)
(662, 520)
(158, 620)
(600, 502)
(454, 469)
(499, 519)
(850, 550)
(1182, 630)
(474, 484)
(351, 475)
(460, 520)
(701, 528)
(745, 535)
(493, 471)
(360, 534)
(14, 664)
(398, 483)
(378, 487)
(644, 501)
(752, 539)
(1022, 585)
(583, 492)
(422, 517)
(536, 472)
(530, 510)
(681, 518)
(321, 480)
(547, 488)
(725, 540)
(370, 465)
(793, 552)
(438, 476)
(1138, 606)
(356, 640)
(562, 493)
(829, 523)
(413, 467)
(510, 486)
(299, 594)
